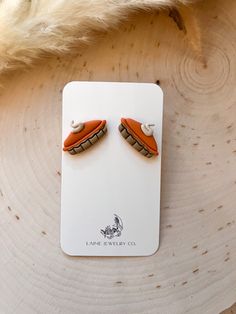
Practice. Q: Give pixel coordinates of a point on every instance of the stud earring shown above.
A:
(83, 135)
(140, 136)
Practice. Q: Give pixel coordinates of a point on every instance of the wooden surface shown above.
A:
(194, 270)
(231, 310)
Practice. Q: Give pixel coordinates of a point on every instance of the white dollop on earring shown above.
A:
(146, 128)
(77, 127)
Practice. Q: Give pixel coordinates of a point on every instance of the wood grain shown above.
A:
(194, 270)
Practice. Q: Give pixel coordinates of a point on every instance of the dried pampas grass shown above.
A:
(31, 28)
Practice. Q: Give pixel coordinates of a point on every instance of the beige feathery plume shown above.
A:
(31, 28)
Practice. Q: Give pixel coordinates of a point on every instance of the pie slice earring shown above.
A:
(83, 135)
(140, 136)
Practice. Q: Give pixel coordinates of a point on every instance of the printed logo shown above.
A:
(115, 230)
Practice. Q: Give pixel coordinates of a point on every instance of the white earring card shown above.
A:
(110, 193)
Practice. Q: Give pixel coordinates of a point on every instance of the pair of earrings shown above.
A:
(86, 134)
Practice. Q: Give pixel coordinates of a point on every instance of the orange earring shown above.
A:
(140, 136)
(83, 135)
